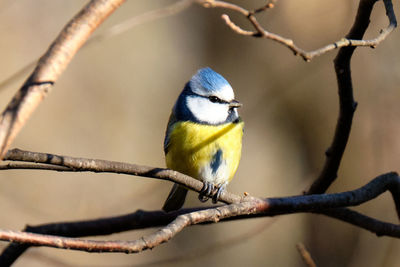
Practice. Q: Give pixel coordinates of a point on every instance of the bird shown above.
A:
(203, 138)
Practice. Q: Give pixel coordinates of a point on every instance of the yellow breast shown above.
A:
(192, 147)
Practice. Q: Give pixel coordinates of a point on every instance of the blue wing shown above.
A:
(172, 120)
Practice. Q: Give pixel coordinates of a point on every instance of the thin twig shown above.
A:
(260, 32)
(152, 15)
(19, 74)
(217, 247)
(28, 166)
(305, 255)
(50, 67)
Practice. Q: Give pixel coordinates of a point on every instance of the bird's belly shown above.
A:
(206, 152)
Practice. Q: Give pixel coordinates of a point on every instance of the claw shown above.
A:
(210, 189)
(203, 198)
(206, 191)
(216, 196)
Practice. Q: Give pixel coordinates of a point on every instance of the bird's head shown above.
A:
(207, 98)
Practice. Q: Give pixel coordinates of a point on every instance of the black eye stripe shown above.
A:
(212, 98)
(216, 99)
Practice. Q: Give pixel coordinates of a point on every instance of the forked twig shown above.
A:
(261, 32)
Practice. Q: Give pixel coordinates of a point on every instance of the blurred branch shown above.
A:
(347, 105)
(260, 32)
(305, 255)
(50, 67)
(117, 29)
(128, 24)
(18, 74)
(249, 207)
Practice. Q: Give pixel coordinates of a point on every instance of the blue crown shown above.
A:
(208, 79)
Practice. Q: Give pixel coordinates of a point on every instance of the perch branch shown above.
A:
(50, 67)
(327, 204)
(372, 189)
(260, 32)
(97, 165)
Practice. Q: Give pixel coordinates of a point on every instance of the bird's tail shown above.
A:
(175, 199)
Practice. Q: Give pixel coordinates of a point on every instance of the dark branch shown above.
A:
(327, 204)
(347, 105)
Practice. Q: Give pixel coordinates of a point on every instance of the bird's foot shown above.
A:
(212, 191)
(206, 191)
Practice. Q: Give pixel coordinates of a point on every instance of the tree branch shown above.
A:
(327, 204)
(267, 207)
(347, 105)
(144, 243)
(73, 164)
(305, 255)
(374, 188)
(260, 32)
(50, 67)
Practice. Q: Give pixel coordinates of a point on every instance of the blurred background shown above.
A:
(114, 100)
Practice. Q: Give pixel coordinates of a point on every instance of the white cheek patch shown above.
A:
(206, 111)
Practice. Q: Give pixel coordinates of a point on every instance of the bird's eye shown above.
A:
(214, 99)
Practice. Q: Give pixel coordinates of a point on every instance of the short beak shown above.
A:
(235, 104)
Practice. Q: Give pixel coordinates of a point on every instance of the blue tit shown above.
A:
(204, 136)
